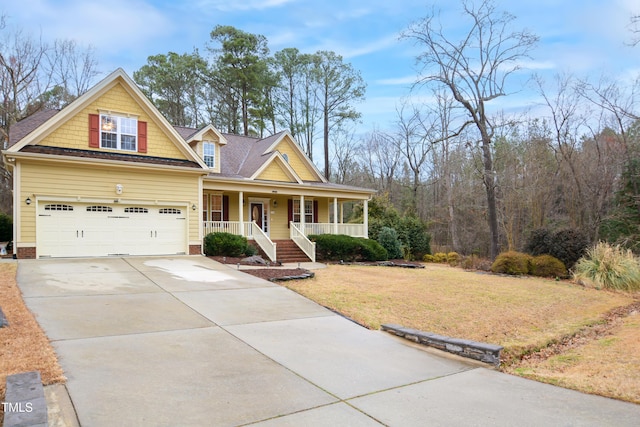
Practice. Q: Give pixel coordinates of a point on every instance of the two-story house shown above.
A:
(108, 175)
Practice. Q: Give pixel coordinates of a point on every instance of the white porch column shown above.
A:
(341, 212)
(365, 213)
(241, 212)
(335, 215)
(302, 216)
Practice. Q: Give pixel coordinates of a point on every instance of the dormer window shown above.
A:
(118, 132)
(209, 154)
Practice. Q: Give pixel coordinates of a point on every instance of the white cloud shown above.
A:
(393, 81)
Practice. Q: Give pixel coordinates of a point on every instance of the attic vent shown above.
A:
(58, 208)
(285, 157)
(170, 211)
(136, 210)
(99, 209)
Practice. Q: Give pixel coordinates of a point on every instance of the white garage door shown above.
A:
(76, 229)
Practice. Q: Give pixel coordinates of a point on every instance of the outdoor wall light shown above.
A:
(119, 188)
(28, 201)
(275, 203)
(194, 207)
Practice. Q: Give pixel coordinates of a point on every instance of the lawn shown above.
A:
(523, 314)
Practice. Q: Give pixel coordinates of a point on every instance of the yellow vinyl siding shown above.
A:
(74, 133)
(78, 181)
(295, 160)
(275, 172)
(279, 219)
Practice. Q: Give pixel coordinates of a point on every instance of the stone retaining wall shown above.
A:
(487, 353)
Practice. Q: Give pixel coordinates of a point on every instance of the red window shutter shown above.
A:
(94, 130)
(315, 211)
(225, 208)
(142, 137)
(289, 212)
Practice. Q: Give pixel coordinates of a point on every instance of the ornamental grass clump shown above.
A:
(611, 267)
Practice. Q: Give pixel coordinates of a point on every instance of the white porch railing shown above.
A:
(354, 230)
(232, 227)
(263, 241)
(307, 246)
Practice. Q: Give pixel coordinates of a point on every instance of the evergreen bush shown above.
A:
(547, 266)
(440, 257)
(6, 228)
(412, 232)
(340, 247)
(226, 244)
(567, 244)
(388, 239)
(606, 266)
(453, 258)
(512, 262)
(428, 258)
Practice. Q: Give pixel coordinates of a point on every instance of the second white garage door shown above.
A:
(75, 229)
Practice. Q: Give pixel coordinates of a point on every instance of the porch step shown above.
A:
(287, 251)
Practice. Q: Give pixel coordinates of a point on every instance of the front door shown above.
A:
(258, 215)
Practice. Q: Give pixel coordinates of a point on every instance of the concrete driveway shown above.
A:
(186, 341)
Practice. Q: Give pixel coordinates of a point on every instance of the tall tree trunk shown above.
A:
(326, 140)
(488, 178)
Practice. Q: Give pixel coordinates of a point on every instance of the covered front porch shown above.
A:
(269, 213)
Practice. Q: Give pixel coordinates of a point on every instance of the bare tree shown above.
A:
(475, 69)
(345, 149)
(73, 68)
(22, 77)
(382, 160)
(413, 139)
(634, 26)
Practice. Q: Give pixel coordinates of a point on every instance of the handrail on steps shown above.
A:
(268, 246)
(307, 246)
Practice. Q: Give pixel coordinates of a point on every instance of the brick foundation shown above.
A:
(26, 253)
(195, 249)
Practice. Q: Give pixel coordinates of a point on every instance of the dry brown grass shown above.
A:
(608, 366)
(23, 345)
(521, 314)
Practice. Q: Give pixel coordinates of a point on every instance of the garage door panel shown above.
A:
(65, 230)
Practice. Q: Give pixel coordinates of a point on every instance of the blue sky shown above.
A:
(585, 37)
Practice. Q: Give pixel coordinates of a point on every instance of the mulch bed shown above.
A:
(273, 272)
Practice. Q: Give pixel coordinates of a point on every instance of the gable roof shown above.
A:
(39, 125)
(26, 126)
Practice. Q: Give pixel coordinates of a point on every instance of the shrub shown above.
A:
(371, 250)
(412, 232)
(428, 258)
(6, 228)
(453, 258)
(225, 244)
(547, 266)
(606, 266)
(440, 257)
(336, 247)
(514, 263)
(568, 244)
(388, 238)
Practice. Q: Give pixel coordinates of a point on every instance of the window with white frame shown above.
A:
(118, 132)
(308, 211)
(209, 154)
